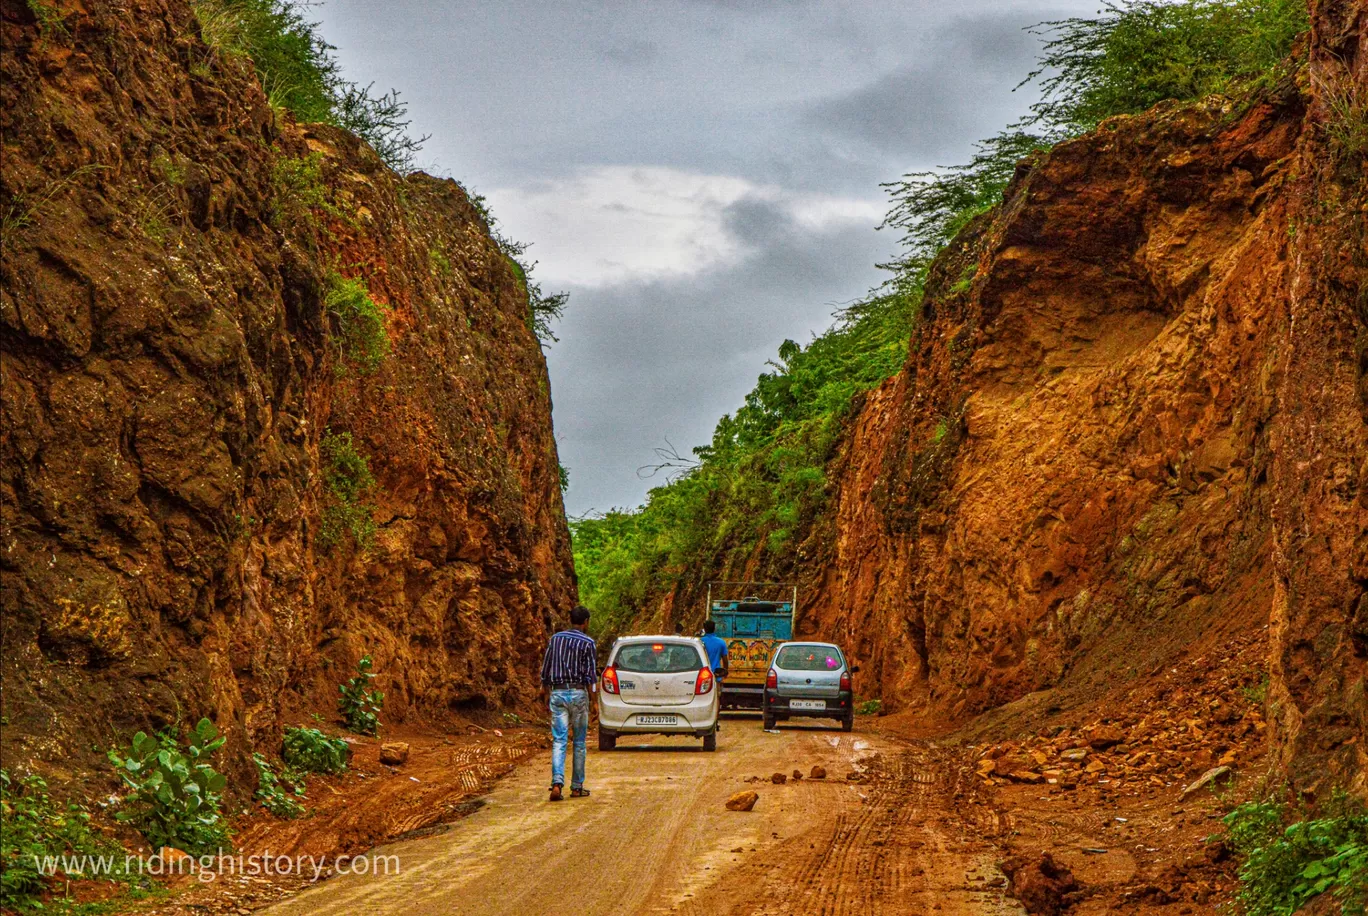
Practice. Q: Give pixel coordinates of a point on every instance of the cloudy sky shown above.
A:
(701, 175)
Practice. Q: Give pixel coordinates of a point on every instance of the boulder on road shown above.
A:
(743, 801)
(818, 772)
(1039, 883)
(778, 779)
(394, 753)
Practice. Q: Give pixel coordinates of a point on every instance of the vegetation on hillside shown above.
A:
(299, 73)
(751, 493)
(1286, 861)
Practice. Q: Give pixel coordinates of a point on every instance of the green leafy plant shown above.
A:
(347, 480)
(176, 792)
(278, 792)
(360, 323)
(310, 750)
(1285, 865)
(869, 708)
(359, 703)
(36, 829)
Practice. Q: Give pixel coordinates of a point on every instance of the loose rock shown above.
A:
(778, 779)
(394, 753)
(818, 772)
(743, 801)
(1206, 779)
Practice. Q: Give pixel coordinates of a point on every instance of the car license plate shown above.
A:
(657, 720)
(807, 704)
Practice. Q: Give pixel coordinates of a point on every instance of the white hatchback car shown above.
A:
(657, 685)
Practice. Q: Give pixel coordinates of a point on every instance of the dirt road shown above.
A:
(655, 838)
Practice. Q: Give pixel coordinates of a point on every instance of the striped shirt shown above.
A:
(571, 658)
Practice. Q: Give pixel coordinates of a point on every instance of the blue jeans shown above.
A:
(569, 711)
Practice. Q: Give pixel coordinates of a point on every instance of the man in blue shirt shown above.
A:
(716, 647)
(569, 669)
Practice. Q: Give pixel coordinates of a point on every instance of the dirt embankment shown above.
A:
(1133, 425)
(172, 368)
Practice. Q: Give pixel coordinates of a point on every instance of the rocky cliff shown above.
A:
(218, 326)
(1133, 423)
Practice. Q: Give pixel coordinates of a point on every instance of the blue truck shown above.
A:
(753, 617)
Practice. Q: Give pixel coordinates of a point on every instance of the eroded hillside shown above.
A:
(218, 327)
(1133, 423)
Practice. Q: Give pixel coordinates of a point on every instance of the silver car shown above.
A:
(811, 680)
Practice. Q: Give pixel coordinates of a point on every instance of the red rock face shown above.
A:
(170, 369)
(1139, 431)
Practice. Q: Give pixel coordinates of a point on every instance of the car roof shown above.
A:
(824, 645)
(690, 640)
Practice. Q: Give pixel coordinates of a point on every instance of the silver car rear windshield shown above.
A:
(658, 658)
(809, 658)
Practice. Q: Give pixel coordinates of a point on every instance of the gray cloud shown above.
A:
(642, 363)
(961, 88)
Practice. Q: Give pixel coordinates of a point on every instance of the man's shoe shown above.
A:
(556, 793)
(579, 793)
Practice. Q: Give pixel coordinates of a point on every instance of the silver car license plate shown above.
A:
(657, 720)
(807, 704)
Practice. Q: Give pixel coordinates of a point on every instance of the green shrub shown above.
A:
(36, 828)
(1138, 53)
(347, 480)
(176, 793)
(51, 20)
(1286, 865)
(869, 708)
(359, 704)
(301, 194)
(299, 73)
(360, 323)
(314, 752)
(278, 792)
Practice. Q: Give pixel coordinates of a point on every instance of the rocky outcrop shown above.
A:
(178, 375)
(1133, 423)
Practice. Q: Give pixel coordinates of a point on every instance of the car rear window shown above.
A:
(809, 658)
(658, 658)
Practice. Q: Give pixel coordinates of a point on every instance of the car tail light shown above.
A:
(704, 684)
(845, 680)
(773, 679)
(610, 684)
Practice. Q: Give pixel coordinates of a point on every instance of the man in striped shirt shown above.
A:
(569, 669)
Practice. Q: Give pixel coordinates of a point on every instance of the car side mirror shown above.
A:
(855, 669)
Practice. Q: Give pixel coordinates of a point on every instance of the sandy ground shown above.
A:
(655, 837)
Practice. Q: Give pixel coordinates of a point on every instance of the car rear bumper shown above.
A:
(693, 719)
(838, 707)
